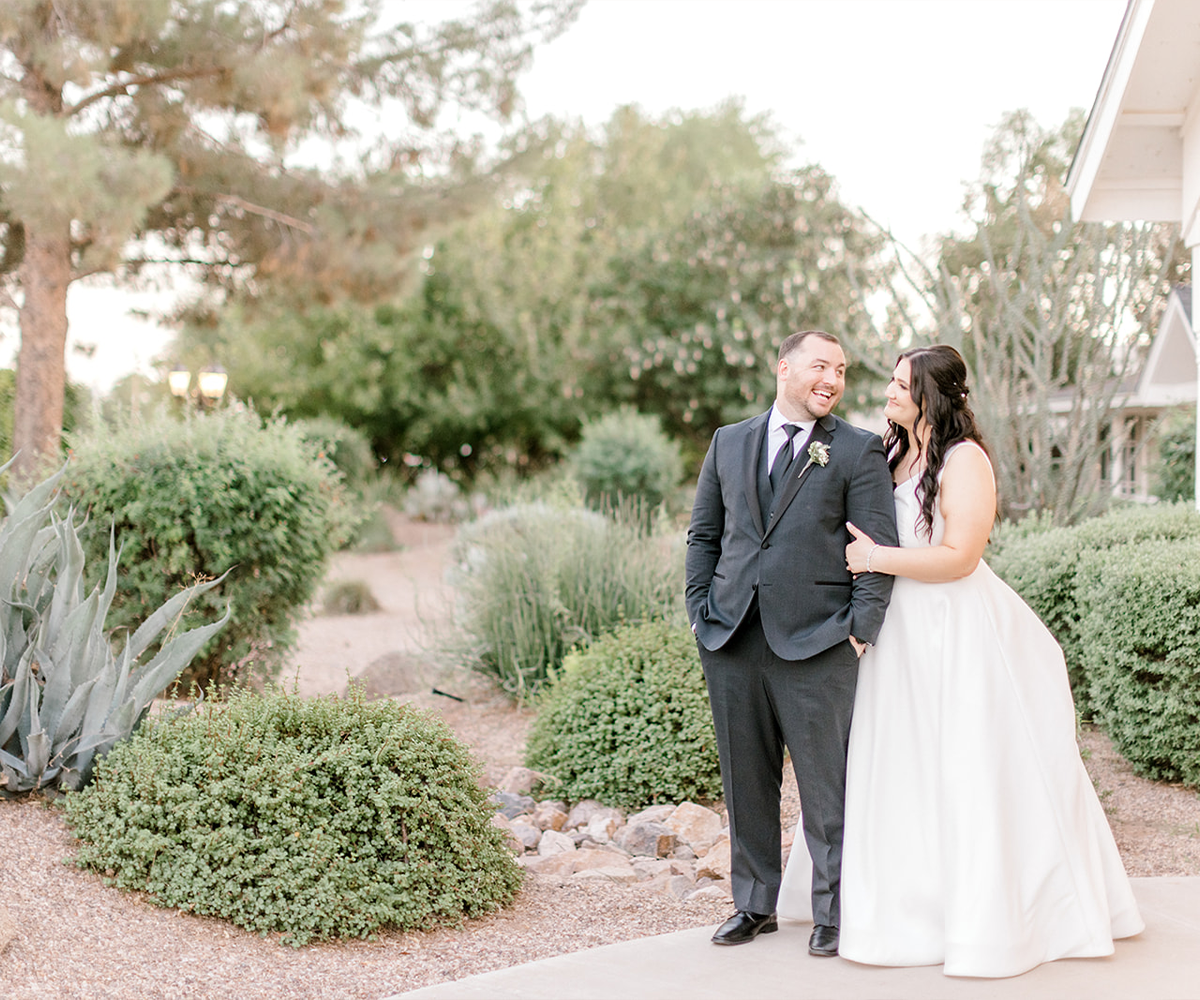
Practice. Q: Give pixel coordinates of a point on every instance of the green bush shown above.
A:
(316, 818)
(535, 580)
(348, 449)
(1041, 566)
(66, 694)
(628, 721)
(1141, 642)
(217, 493)
(625, 456)
(1175, 470)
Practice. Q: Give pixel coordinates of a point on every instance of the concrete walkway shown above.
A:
(1162, 963)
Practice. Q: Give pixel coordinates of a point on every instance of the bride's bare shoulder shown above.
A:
(967, 460)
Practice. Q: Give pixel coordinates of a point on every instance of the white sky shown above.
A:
(894, 98)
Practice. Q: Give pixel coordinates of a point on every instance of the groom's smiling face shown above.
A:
(810, 381)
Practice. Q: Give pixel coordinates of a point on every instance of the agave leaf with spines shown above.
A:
(66, 694)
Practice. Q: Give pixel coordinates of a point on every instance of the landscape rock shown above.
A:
(715, 862)
(650, 868)
(501, 822)
(512, 805)
(550, 816)
(599, 857)
(591, 841)
(613, 873)
(647, 839)
(551, 864)
(603, 823)
(552, 842)
(519, 780)
(581, 812)
(712, 892)
(528, 834)
(681, 886)
(653, 814)
(695, 825)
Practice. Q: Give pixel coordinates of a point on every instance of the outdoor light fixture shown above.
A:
(210, 384)
(179, 380)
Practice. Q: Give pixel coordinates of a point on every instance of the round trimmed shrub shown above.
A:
(1042, 566)
(625, 456)
(1141, 642)
(217, 493)
(628, 722)
(314, 818)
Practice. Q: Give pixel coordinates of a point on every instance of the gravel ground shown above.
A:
(64, 935)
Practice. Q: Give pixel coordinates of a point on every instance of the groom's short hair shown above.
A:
(792, 341)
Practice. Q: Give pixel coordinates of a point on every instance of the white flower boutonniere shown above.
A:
(818, 454)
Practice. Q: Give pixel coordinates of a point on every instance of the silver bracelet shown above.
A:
(869, 554)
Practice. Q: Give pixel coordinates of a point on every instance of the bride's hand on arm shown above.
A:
(967, 499)
(859, 550)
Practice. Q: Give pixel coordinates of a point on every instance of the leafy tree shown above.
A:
(1052, 317)
(696, 314)
(593, 279)
(142, 132)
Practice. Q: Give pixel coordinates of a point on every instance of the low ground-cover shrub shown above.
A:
(628, 721)
(535, 580)
(217, 493)
(625, 457)
(1141, 650)
(70, 689)
(316, 818)
(1042, 567)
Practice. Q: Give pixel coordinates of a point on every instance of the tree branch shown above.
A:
(267, 213)
(147, 79)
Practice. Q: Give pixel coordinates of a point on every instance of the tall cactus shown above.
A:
(68, 690)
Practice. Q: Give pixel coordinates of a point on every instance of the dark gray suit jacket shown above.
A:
(796, 563)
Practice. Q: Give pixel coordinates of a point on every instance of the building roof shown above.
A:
(1130, 161)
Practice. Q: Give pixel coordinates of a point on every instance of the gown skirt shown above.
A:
(973, 835)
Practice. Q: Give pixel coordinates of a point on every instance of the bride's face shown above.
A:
(900, 408)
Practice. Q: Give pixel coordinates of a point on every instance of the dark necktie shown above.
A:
(783, 457)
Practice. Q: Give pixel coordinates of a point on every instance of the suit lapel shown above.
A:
(822, 432)
(757, 431)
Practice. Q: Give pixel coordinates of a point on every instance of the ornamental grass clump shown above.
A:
(535, 580)
(313, 818)
(628, 722)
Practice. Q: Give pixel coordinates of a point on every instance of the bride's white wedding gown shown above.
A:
(973, 835)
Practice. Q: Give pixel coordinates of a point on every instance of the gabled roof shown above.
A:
(1168, 377)
(1130, 160)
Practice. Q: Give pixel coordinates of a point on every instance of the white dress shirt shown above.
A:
(776, 435)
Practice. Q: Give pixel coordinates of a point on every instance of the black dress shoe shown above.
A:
(824, 941)
(745, 926)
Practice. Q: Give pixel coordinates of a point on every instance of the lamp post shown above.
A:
(210, 385)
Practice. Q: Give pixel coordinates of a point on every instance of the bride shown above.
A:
(973, 835)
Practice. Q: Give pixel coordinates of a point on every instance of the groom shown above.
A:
(781, 622)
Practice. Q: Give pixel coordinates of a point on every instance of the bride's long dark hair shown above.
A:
(938, 386)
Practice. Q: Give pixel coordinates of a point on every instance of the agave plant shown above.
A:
(66, 693)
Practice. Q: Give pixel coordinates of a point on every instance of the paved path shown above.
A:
(1162, 963)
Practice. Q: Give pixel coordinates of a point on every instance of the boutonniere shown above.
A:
(818, 454)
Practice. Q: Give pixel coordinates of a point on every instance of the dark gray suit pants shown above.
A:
(762, 703)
